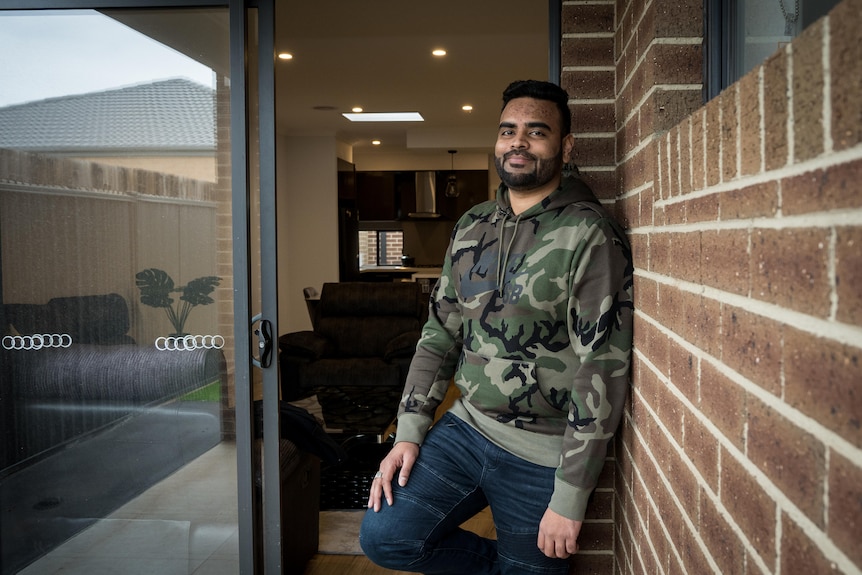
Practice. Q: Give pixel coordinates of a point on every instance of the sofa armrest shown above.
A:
(306, 345)
(402, 346)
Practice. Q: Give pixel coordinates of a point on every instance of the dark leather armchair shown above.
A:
(364, 338)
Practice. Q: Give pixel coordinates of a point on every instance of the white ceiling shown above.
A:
(377, 54)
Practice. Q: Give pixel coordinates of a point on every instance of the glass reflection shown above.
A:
(115, 379)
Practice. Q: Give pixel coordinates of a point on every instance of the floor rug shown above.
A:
(339, 532)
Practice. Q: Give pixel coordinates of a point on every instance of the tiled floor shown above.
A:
(187, 524)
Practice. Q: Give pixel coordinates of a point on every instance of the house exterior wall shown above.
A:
(740, 449)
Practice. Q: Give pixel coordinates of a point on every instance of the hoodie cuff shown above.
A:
(569, 501)
(412, 427)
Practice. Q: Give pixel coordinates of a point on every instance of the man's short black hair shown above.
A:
(541, 91)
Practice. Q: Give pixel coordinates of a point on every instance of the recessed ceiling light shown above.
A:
(386, 117)
(285, 56)
(467, 108)
(438, 52)
(357, 110)
(375, 142)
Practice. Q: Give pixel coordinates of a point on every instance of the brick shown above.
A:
(702, 449)
(645, 290)
(729, 133)
(705, 319)
(751, 346)
(822, 381)
(681, 310)
(749, 123)
(845, 505)
(589, 18)
(712, 135)
(820, 190)
(725, 260)
(587, 51)
(723, 403)
(652, 343)
(845, 52)
(808, 93)
(775, 110)
(592, 117)
(790, 269)
(755, 201)
(698, 173)
(684, 371)
(702, 209)
(678, 18)
(799, 554)
(671, 107)
(724, 545)
(677, 63)
(790, 457)
(752, 509)
(660, 254)
(685, 263)
(693, 558)
(848, 274)
(673, 161)
(593, 151)
(588, 84)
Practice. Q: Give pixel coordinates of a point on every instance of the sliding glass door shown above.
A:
(130, 271)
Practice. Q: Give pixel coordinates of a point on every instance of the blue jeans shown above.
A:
(459, 473)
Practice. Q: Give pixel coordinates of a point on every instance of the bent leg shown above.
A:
(420, 531)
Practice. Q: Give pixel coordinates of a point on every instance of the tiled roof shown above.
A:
(175, 114)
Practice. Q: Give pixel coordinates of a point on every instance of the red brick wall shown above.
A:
(741, 446)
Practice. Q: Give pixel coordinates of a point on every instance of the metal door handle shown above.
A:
(264, 342)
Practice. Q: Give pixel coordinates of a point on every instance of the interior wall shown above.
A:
(307, 205)
(741, 447)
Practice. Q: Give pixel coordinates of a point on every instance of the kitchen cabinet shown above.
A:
(375, 196)
(390, 196)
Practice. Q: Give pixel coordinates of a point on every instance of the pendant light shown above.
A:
(452, 180)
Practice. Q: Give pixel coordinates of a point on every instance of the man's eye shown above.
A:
(538, 133)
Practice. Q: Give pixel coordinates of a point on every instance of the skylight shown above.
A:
(385, 117)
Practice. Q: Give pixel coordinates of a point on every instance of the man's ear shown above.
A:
(568, 147)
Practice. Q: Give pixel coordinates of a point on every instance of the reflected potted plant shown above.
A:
(157, 286)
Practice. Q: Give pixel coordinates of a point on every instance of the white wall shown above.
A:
(307, 205)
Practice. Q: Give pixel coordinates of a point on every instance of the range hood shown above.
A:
(426, 196)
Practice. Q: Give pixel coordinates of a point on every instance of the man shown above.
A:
(532, 316)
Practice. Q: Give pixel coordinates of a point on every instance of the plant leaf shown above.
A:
(197, 291)
(156, 286)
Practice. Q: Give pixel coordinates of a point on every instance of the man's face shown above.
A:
(530, 148)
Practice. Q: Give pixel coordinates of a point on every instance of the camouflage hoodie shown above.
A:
(532, 316)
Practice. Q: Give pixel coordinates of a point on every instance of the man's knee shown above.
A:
(382, 546)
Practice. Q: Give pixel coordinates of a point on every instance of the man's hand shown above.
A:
(401, 456)
(558, 536)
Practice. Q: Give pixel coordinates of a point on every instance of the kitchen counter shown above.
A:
(401, 269)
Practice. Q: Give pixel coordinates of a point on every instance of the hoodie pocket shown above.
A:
(507, 390)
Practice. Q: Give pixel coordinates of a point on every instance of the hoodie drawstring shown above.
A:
(503, 261)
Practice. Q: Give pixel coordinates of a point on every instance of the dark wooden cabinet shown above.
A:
(375, 196)
(390, 196)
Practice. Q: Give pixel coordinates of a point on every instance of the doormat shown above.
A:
(339, 532)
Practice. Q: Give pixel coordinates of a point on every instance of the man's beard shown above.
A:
(543, 172)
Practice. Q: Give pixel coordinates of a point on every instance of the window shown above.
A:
(380, 247)
(740, 34)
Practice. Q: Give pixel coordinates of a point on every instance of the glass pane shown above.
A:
(116, 373)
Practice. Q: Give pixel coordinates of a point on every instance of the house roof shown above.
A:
(168, 115)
